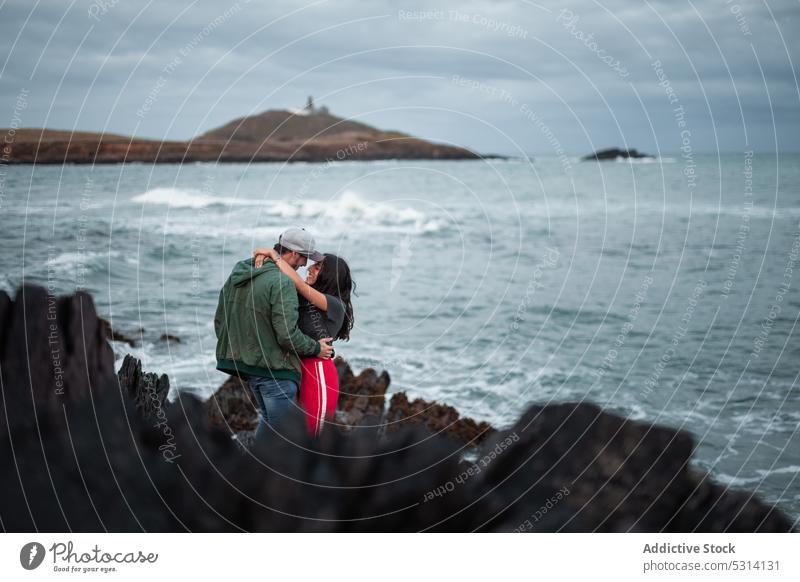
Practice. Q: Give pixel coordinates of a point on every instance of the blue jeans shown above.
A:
(274, 397)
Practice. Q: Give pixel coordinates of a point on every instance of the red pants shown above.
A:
(319, 391)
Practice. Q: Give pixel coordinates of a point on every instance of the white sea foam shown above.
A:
(183, 198)
(71, 263)
(648, 160)
(348, 207)
(762, 474)
(69, 260)
(333, 217)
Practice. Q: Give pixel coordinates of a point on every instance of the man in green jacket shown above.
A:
(256, 326)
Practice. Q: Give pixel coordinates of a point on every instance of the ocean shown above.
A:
(664, 290)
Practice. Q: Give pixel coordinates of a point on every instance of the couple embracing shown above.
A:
(274, 329)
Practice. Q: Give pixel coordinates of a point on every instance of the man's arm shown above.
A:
(284, 309)
(220, 312)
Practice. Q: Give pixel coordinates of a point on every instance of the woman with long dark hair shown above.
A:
(325, 312)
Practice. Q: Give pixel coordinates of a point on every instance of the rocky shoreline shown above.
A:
(362, 403)
(94, 450)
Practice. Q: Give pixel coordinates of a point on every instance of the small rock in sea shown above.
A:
(614, 153)
(115, 335)
(168, 337)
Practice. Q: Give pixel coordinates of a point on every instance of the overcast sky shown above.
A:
(503, 77)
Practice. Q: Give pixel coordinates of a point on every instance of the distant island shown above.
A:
(308, 134)
(614, 154)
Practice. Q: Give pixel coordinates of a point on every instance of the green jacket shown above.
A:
(256, 324)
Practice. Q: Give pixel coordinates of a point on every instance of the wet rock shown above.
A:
(53, 351)
(439, 418)
(711, 507)
(245, 438)
(115, 335)
(233, 406)
(613, 474)
(168, 337)
(362, 398)
(97, 458)
(147, 391)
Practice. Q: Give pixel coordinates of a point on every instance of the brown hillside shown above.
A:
(272, 136)
(282, 125)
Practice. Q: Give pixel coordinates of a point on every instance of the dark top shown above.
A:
(319, 324)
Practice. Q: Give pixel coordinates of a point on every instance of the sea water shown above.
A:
(663, 290)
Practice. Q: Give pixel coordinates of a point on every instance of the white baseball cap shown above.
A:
(300, 241)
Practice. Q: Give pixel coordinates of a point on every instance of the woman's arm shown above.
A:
(312, 295)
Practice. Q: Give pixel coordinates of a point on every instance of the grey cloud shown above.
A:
(226, 72)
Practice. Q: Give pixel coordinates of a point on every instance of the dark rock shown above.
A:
(439, 418)
(115, 335)
(620, 475)
(714, 508)
(245, 438)
(362, 398)
(53, 351)
(233, 406)
(102, 456)
(359, 483)
(147, 391)
(168, 337)
(614, 153)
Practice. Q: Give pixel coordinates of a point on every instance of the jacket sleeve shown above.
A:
(284, 310)
(218, 315)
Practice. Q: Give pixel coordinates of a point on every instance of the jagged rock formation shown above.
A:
(362, 403)
(362, 398)
(78, 455)
(147, 391)
(233, 406)
(439, 418)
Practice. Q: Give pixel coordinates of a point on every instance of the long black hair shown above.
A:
(334, 279)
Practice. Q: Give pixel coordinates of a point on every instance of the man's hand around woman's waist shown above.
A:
(325, 348)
